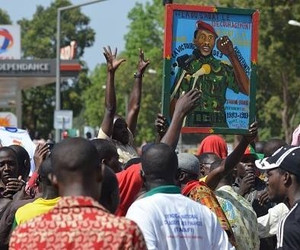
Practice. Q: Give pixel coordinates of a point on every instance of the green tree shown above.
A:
(4, 17)
(94, 96)
(279, 68)
(146, 32)
(39, 41)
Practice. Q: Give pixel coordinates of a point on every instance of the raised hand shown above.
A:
(161, 124)
(225, 45)
(142, 64)
(250, 137)
(40, 153)
(111, 59)
(187, 102)
(184, 105)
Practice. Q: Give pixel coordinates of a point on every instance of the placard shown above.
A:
(214, 50)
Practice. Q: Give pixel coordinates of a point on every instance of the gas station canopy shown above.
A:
(17, 75)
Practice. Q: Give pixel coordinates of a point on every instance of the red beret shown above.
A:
(200, 25)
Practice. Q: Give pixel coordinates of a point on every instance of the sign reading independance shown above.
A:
(22, 68)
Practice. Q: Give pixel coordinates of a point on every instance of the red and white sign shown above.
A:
(68, 52)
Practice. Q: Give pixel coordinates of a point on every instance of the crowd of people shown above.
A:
(102, 194)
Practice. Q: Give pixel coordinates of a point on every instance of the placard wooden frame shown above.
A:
(225, 21)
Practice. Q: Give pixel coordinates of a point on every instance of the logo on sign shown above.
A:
(7, 40)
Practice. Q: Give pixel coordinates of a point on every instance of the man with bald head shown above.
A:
(78, 220)
(168, 219)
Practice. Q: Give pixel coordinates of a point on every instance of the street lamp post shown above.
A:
(57, 85)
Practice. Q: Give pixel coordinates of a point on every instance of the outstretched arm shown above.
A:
(214, 177)
(184, 105)
(110, 94)
(225, 45)
(135, 96)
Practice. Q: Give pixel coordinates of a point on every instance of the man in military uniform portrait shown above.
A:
(210, 75)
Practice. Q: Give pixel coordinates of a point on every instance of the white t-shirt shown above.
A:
(269, 223)
(173, 221)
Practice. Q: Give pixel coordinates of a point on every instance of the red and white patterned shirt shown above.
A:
(78, 223)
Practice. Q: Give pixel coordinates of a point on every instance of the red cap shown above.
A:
(200, 25)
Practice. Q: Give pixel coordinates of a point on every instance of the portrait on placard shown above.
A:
(215, 51)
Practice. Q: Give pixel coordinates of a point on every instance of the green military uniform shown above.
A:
(210, 109)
